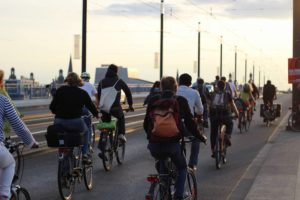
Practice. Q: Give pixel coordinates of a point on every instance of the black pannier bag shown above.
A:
(56, 136)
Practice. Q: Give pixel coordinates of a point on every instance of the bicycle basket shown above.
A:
(56, 136)
(107, 125)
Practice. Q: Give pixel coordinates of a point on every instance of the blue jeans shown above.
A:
(87, 117)
(173, 151)
(76, 124)
(195, 148)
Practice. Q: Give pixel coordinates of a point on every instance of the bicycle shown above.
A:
(162, 184)
(72, 168)
(268, 114)
(109, 143)
(294, 119)
(17, 192)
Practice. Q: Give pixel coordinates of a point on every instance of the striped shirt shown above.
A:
(8, 112)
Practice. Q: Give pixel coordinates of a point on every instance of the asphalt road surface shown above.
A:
(128, 181)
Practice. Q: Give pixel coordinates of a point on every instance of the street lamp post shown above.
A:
(84, 19)
(199, 45)
(246, 69)
(162, 11)
(235, 64)
(221, 56)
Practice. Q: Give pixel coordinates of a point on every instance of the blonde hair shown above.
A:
(74, 80)
(1, 79)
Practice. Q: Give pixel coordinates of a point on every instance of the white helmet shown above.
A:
(85, 76)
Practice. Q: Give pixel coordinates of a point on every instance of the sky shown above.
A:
(38, 37)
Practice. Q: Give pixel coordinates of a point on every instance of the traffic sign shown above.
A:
(294, 70)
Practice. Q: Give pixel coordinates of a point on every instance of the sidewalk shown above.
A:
(278, 176)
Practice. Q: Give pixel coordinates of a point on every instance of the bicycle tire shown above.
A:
(241, 123)
(154, 192)
(93, 142)
(88, 176)
(19, 162)
(120, 148)
(218, 152)
(292, 122)
(22, 194)
(65, 178)
(191, 184)
(107, 141)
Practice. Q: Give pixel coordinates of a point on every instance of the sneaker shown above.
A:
(86, 159)
(227, 140)
(122, 138)
(102, 156)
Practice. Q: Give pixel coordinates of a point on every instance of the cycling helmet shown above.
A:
(85, 76)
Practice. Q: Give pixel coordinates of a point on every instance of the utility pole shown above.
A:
(221, 57)
(199, 45)
(246, 69)
(162, 11)
(296, 44)
(235, 65)
(84, 16)
(259, 79)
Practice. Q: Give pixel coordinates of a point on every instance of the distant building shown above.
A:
(101, 71)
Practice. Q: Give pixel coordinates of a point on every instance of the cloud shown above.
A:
(133, 9)
(251, 8)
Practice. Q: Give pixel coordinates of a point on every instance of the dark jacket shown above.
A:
(269, 91)
(121, 85)
(69, 101)
(184, 113)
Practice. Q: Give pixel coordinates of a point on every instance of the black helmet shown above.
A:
(85, 76)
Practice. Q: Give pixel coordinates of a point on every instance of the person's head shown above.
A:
(185, 79)
(74, 80)
(156, 84)
(221, 85)
(1, 78)
(200, 81)
(112, 71)
(223, 78)
(85, 76)
(168, 83)
(217, 78)
(268, 82)
(246, 88)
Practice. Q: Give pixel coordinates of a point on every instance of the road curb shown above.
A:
(254, 167)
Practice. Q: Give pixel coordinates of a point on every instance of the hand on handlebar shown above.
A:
(130, 108)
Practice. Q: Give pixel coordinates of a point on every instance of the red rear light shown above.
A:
(152, 179)
(241, 110)
(148, 197)
(63, 150)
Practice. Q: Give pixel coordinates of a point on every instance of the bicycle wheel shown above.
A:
(240, 122)
(191, 185)
(107, 142)
(66, 181)
(218, 152)
(247, 122)
(88, 176)
(22, 194)
(93, 136)
(292, 122)
(120, 149)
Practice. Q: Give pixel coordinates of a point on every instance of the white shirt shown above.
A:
(192, 97)
(90, 89)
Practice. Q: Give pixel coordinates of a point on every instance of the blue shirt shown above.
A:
(192, 97)
(8, 112)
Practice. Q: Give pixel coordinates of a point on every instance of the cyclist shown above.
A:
(109, 95)
(162, 147)
(87, 116)
(269, 94)
(196, 107)
(247, 98)
(205, 97)
(67, 106)
(220, 112)
(153, 91)
(7, 162)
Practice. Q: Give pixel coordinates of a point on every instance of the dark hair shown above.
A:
(74, 80)
(112, 71)
(200, 81)
(268, 82)
(185, 79)
(223, 78)
(221, 85)
(168, 83)
(156, 84)
(217, 77)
